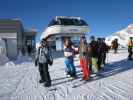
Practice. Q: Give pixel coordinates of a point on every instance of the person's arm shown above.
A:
(37, 57)
(50, 54)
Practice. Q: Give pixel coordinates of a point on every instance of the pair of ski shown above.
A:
(76, 82)
(82, 82)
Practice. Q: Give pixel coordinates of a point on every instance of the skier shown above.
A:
(43, 58)
(105, 50)
(94, 55)
(69, 58)
(29, 49)
(115, 45)
(130, 46)
(84, 57)
(102, 50)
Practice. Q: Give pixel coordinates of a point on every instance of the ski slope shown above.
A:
(19, 81)
(122, 36)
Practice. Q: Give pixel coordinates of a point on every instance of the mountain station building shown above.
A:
(14, 38)
(62, 27)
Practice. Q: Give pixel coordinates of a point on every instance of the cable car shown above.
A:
(62, 27)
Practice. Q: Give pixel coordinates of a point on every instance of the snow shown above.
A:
(3, 59)
(37, 44)
(19, 81)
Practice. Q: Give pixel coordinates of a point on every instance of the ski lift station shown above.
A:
(14, 38)
(62, 27)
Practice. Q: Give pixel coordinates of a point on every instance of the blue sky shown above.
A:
(103, 16)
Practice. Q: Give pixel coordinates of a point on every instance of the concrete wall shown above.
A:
(2, 47)
(11, 48)
(13, 33)
(10, 42)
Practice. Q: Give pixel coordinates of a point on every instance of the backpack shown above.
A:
(49, 58)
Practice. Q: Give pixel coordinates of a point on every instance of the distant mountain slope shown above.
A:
(122, 36)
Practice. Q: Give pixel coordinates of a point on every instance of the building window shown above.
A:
(67, 21)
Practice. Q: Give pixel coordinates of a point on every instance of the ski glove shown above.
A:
(36, 62)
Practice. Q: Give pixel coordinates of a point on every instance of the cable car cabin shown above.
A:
(62, 27)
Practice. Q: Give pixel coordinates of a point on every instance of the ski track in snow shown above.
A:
(20, 81)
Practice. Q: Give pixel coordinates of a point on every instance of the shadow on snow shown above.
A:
(107, 71)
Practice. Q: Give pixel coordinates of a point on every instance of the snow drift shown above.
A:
(3, 59)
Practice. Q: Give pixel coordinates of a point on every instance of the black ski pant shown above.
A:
(44, 73)
(115, 50)
(130, 53)
(104, 58)
(101, 60)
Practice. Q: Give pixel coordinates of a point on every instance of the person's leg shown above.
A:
(86, 70)
(67, 63)
(130, 53)
(73, 69)
(82, 65)
(47, 75)
(94, 65)
(116, 50)
(90, 64)
(99, 62)
(104, 59)
(41, 73)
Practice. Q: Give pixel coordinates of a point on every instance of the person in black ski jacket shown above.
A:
(94, 55)
(43, 59)
(102, 50)
(115, 45)
(94, 46)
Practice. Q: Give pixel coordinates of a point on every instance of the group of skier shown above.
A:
(115, 45)
(92, 56)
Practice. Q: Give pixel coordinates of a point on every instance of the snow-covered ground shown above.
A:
(3, 59)
(19, 81)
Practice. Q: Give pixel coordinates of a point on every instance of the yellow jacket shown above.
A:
(130, 43)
